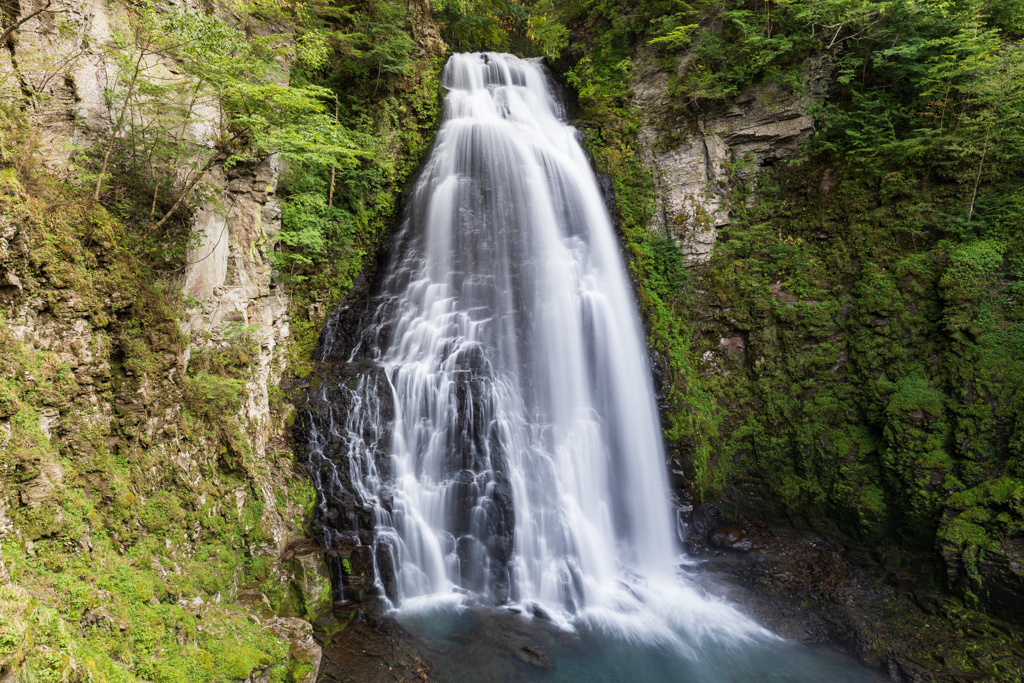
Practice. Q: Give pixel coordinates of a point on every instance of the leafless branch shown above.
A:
(14, 27)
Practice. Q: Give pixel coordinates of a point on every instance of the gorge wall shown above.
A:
(856, 377)
(154, 521)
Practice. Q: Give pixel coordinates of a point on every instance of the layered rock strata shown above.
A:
(700, 151)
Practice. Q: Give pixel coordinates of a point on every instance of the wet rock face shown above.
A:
(880, 605)
(710, 531)
(1001, 574)
(345, 376)
(730, 538)
(690, 151)
(321, 430)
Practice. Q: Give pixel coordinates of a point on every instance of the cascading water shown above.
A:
(526, 460)
(504, 434)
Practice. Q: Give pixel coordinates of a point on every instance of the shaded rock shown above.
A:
(732, 345)
(1001, 588)
(828, 182)
(302, 646)
(37, 491)
(259, 675)
(878, 605)
(604, 184)
(730, 538)
(313, 579)
(384, 654)
(257, 602)
(705, 518)
(537, 655)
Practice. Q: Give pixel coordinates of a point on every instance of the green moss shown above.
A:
(161, 511)
(913, 393)
(213, 397)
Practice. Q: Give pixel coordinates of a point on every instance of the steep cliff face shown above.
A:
(139, 489)
(862, 373)
(698, 152)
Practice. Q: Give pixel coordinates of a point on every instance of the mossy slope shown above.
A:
(132, 508)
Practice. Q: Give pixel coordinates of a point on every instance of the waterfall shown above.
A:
(525, 454)
(493, 437)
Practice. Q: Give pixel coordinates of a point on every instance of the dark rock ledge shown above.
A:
(880, 605)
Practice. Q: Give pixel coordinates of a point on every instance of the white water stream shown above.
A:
(517, 362)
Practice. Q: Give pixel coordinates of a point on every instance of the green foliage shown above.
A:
(495, 25)
(971, 268)
(161, 510)
(937, 94)
(224, 105)
(334, 217)
(860, 395)
(549, 34)
(231, 354)
(367, 45)
(308, 227)
(118, 622)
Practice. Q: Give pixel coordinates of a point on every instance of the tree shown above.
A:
(192, 92)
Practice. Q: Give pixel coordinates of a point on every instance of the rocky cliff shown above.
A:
(154, 522)
(837, 381)
(699, 152)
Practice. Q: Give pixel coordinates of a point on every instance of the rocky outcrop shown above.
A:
(424, 31)
(698, 151)
(57, 57)
(230, 277)
(994, 576)
(114, 364)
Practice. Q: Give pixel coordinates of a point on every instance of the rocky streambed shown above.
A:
(881, 605)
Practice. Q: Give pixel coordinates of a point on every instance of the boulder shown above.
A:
(730, 538)
(302, 646)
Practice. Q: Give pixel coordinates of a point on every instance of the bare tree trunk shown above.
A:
(156, 192)
(330, 193)
(195, 181)
(117, 126)
(977, 179)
